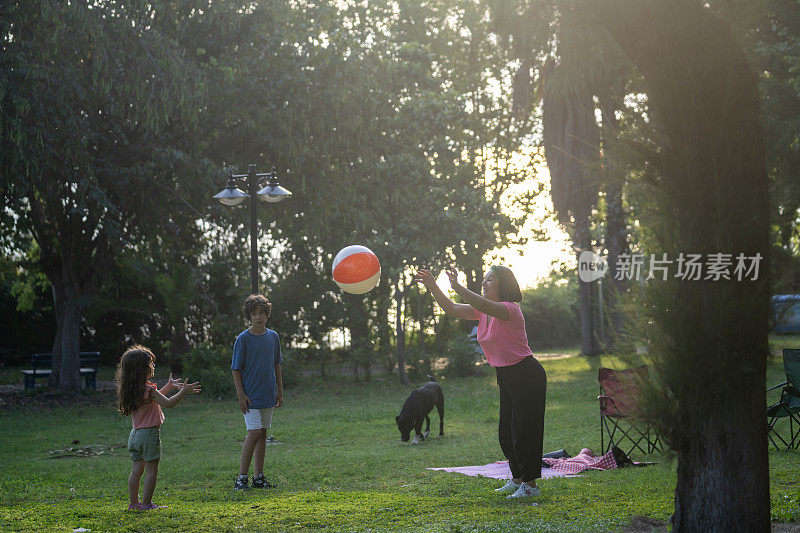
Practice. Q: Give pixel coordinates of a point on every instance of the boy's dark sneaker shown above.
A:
(260, 483)
(241, 483)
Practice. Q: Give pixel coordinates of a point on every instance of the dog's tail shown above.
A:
(431, 378)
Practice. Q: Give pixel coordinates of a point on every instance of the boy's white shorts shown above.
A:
(258, 418)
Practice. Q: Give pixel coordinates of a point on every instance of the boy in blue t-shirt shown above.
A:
(256, 368)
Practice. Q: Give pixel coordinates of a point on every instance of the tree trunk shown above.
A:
(616, 236)
(384, 327)
(358, 324)
(473, 269)
(475, 279)
(400, 344)
(571, 142)
(616, 244)
(420, 323)
(357, 319)
(179, 346)
(586, 291)
(66, 372)
(712, 197)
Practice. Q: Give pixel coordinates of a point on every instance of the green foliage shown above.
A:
(418, 363)
(95, 140)
(462, 354)
(290, 368)
(361, 356)
(210, 365)
(394, 119)
(28, 330)
(551, 315)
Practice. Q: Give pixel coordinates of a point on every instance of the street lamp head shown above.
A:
(231, 195)
(273, 192)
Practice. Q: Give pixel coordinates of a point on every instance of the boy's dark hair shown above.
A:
(509, 288)
(253, 302)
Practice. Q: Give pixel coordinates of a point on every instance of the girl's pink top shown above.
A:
(504, 342)
(149, 414)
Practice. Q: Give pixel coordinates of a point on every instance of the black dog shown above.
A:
(418, 405)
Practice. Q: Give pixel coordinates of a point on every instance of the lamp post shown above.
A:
(271, 192)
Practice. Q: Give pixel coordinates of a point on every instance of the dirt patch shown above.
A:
(646, 524)
(15, 397)
(780, 527)
(641, 524)
(89, 450)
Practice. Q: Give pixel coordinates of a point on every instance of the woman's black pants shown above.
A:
(523, 387)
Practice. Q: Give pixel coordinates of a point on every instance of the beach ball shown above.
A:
(356, 269)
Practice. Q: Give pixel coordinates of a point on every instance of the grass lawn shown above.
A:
(339, 465)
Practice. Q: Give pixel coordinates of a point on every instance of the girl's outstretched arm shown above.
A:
(489, 307)
(463, 311)
(175, 399)
(170, 385)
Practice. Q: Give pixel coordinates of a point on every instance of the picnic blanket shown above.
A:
(496, 470)
(586, 460)
(557, 467)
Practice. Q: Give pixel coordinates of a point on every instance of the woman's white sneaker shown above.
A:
(509, 487)
(526, 491)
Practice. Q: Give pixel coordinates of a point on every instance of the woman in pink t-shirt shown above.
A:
(520, 377)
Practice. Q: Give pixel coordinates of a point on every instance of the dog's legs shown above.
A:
(418, 430)
(427, 426)
(440, 408)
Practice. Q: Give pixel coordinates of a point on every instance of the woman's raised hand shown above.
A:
(425, 277)
(453, 276)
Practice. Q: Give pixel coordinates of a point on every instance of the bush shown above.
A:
(461, 355)
(418, 363)
(211, 366)
(290, 368)
(362, 354)
(551, 315)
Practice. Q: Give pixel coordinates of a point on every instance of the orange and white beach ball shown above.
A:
(356, 269)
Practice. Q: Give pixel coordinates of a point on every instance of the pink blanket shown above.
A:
(571, 466)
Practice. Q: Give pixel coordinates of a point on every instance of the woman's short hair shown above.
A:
(509, 287)
(253, 302)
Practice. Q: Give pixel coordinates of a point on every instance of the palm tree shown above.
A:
(581, 64)
(571, 141)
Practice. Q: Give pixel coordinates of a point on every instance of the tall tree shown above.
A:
(571, 142)
(771, 31)
(85, 142)
(711, 187)
(387, 154)
(575, 64)
(611, 92)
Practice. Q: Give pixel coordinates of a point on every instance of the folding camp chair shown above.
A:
(619, 391)
(789, 404)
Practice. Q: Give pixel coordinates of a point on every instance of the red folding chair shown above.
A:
(619, 394)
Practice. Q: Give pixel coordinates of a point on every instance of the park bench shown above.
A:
(42, 364)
